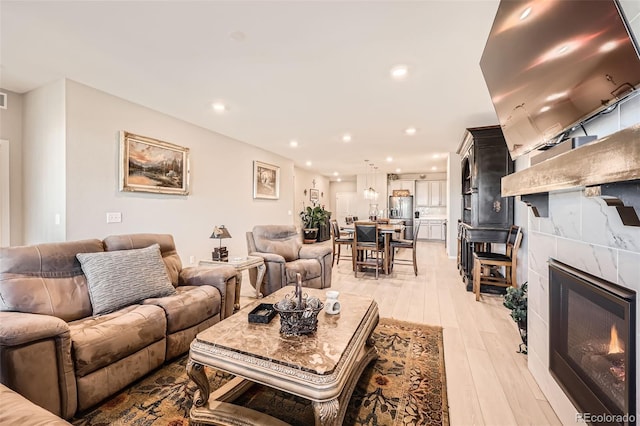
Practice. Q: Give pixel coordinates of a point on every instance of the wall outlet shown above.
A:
(192, 260)
(114, 217)
(56, 219)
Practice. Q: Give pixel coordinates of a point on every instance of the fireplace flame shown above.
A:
(614, 343)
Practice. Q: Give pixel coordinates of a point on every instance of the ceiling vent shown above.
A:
(3, 100)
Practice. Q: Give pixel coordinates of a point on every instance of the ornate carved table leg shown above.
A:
(326, 413)
(261, 271)
(196, 373)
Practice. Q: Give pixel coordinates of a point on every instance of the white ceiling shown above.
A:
(309, 71)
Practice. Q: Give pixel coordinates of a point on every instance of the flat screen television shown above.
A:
(551, 65)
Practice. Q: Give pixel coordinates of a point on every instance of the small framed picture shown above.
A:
(266, 181)
(151, 165)
(314, 195)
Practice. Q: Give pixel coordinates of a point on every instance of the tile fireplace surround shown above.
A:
(582, 232)
(588, 235)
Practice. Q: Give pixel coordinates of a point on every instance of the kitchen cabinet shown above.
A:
(431, 193)
(437, 193)
(435, 230)
(402, 184)
(431, 229)
(423, 232)
(422, 192)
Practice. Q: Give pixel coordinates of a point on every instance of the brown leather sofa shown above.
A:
(58, 355)
(284, 256)
(18, 410)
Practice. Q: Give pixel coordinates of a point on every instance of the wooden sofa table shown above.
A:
(322, 367)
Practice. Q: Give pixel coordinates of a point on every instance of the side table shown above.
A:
(241, 264)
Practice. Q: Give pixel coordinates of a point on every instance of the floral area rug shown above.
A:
(404, 386)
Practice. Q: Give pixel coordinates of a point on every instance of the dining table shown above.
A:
(387, 231)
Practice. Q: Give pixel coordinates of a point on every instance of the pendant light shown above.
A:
(369, 193)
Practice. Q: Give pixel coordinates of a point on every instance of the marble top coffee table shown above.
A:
(323, 367)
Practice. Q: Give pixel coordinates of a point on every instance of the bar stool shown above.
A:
(486, 265)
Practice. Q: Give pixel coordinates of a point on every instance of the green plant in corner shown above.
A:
(516, 300)
(313, 218)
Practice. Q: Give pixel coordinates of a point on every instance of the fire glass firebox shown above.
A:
(592, 343)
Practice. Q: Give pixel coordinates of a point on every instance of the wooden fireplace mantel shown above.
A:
(608, 168)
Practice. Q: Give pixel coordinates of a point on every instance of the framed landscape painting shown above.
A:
(151, 165)
(266, 181)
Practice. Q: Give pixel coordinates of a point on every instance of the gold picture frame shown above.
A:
(152, 165)
(266, 181)
(314, 195)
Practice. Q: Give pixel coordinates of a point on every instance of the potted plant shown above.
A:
(314, 220)
(516, 300)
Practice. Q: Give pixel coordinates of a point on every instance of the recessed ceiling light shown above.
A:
(434, 168)
(346, 137)
(308, 163)
(556, 96)
(525, 13)
(219, 107)
(436, 155)
(293, 143)
(410, 131)
(399, 72)
(339, 179)
(336, 173)
(398, 170)
(389, 159)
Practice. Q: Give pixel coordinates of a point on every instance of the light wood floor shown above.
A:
(488, 382)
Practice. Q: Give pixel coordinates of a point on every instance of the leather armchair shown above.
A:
(284, 256)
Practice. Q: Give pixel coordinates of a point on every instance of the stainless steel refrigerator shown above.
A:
(402, 208)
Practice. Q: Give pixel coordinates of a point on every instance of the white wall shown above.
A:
(454, 202)
(336, 187)
(5, 192)
(44, 162)
(84, 191)
(304, 180)
(11, 131)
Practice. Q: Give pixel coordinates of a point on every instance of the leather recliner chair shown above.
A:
(284, 256)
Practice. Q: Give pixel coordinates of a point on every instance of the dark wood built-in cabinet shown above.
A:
(486, 215)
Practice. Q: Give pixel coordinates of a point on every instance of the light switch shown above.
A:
(114, 217)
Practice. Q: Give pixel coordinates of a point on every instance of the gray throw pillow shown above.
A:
(116, 279)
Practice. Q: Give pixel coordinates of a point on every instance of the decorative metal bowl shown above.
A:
(298, 314)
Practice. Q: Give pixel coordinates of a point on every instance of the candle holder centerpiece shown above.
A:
(298, 312)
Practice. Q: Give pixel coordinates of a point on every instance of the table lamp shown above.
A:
(220, 254)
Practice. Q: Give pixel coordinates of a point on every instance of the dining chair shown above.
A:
(487, 265)
(406, 244)
(368, 247)
(338, 241)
